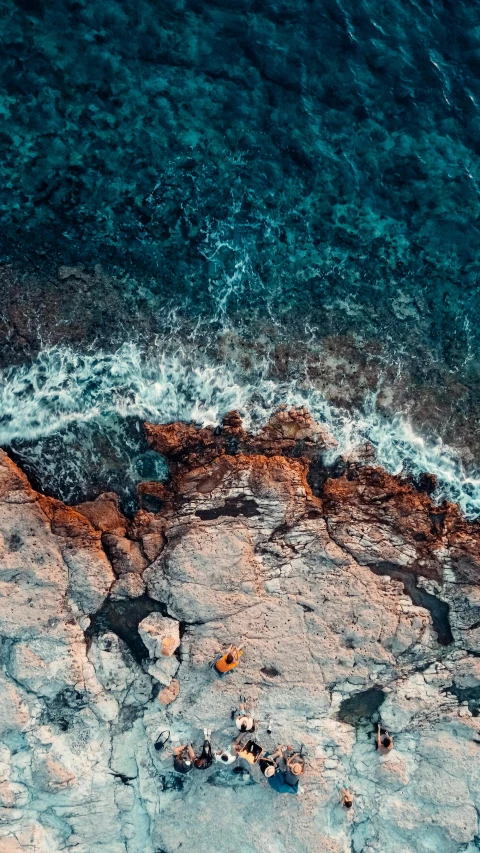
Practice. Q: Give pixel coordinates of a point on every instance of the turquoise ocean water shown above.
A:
(269, 188)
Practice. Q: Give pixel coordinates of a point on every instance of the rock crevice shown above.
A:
(355, 598)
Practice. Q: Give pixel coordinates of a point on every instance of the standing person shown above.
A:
(384, 740)
(346, 798)
(228, 661)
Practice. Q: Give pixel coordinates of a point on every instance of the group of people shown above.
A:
(282, 768)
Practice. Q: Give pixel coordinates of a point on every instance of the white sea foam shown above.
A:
(63, 390)
(63, 387)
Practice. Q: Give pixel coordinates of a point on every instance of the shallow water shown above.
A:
(289, 171)
(75, 422)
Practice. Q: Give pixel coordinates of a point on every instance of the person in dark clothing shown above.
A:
(278, 783)
(250, 751)
(268, 763)
(205, 759)
(183, 758)
(295, 768)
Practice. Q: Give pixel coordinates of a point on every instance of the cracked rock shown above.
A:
(355, 604)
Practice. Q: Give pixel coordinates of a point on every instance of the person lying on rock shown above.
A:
(205, 759)
(268, 763)
(384, 740)
(183, 758)
(346, 798)
(228, 661)
(244, 720)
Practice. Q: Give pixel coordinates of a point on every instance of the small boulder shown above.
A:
(124, 555)
(104, 514)
(170, 693)
(160, 634)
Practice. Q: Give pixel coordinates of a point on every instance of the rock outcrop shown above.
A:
(356, 599)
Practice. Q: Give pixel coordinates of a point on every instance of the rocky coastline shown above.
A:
(356, 599)
(85, 308)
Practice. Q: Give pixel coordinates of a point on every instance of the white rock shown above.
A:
(160, 634)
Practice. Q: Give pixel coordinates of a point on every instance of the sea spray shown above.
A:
(63, 387)
(74, 419)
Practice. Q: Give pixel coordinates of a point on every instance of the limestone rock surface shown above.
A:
(355, 598)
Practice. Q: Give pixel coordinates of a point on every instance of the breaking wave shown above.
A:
(74, 420)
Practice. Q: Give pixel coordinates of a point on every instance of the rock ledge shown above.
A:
(356, 599)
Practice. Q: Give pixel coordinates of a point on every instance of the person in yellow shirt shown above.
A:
(249, 751)
(228, 661)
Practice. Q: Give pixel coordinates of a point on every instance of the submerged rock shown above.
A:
(355, 604)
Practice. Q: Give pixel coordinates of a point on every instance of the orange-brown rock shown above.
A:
(380, 518)
(288, 433)
(153, 489)
(384, 521)
(464, 546)
(170, 693)
(148, 528)
(104, 513)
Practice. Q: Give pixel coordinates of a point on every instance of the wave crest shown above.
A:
(65, 397)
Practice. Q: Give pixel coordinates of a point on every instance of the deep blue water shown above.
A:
(304, 173)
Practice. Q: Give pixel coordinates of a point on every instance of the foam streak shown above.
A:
(63, 391)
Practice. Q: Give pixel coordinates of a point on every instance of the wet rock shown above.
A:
(290, 433)
(363, 705)
(296, 425)
(104, 514)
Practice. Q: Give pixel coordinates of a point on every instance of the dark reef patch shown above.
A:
(361, 706)
(438, 609)
(61, 710)
(123, 617)
(320, 471)
(232, 507)
(270, 671)
(466, 694)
